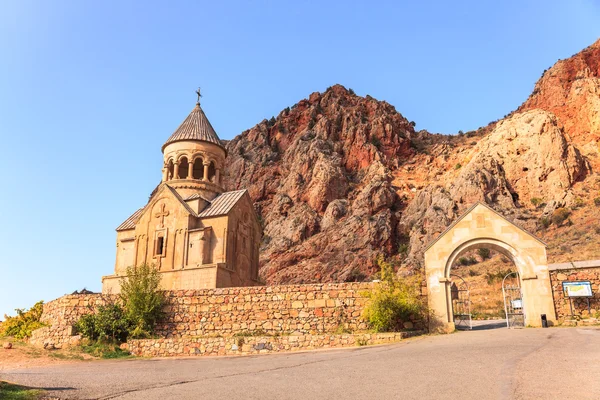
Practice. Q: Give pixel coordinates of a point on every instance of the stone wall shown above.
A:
(252, 311)
(576, 271)
(60, 315)
(305, 309)
(218, 346)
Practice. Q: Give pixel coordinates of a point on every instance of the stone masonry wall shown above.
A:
(272, 310)
(252, 311)
(60, 315)
(580, 305)
(217, 346)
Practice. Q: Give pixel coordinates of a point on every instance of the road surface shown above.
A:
(553, 363)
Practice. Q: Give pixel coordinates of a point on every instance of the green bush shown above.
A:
(134, 316)
(107, 324)
(458, 166)
(21, 326)
(536, 201)
(484, 253)
(545, 222)
(375, 141)
(497, 276)
(142, 299)
(597, 201)
(467, 261)
(560, 215)
(393, 300)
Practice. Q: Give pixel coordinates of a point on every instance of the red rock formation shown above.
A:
(339, 178)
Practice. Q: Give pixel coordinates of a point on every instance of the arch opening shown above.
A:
(198, 171)
(477, 301)
(211, 172)
(170, 170)
(183, 168)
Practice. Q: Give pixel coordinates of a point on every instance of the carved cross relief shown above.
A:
(162, 214)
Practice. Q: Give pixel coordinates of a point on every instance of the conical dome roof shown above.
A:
(195, 127)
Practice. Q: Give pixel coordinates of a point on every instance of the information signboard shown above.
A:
(578, 289)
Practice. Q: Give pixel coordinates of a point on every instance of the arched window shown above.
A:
(198, 168)
(183, 168)
(211, 172)
(170, 169)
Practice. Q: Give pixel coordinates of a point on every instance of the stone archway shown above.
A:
(481, 226)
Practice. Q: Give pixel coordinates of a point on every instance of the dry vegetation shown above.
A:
(485, 284)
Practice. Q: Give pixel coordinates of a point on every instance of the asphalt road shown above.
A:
(554, 363)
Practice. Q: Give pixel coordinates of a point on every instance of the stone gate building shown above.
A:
(195, 233)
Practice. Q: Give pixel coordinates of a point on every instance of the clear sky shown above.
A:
(90, 90)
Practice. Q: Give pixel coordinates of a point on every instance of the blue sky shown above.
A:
(89, 91)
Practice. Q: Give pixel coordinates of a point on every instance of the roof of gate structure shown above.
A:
(469, 211)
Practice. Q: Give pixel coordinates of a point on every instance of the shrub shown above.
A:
(107, 324)
(21, 326)
(375, 141)
(578, 203)
(142, 299)
(560, 215)
(458, 166)
(545, 222)
(472, 272)
(497, 276)
(536, 201)
(484, 253)
(467, 261)
(393, 300)
(403, 249)
(597, 201)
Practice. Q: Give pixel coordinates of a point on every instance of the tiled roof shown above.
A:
(195, 127)
(222, 204)
(195, 196)
(130, 222)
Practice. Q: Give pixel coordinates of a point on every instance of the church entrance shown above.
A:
(527, 284)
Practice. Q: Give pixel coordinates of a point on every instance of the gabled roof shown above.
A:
(467, 212)
(130, 222)
(222, 204)
(195, 127)
(183, 203)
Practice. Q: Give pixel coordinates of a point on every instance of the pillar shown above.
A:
(190, 174)
(218, 176)
(176, 170)
(165, 173)
(205, 177)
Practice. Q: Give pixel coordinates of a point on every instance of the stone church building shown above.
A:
(195, 233)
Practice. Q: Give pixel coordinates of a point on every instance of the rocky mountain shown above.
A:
(339, 178)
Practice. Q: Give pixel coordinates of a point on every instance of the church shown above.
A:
(196, 234)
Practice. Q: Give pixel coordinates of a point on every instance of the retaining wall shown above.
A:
(253, 311)
(219, 346)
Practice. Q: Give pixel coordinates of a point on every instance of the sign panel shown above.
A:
(578, 289)
(518, 303)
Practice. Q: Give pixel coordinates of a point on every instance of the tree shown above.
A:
(142, 299)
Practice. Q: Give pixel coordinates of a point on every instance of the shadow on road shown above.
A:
(486, 325)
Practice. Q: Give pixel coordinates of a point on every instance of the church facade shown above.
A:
(196, 234)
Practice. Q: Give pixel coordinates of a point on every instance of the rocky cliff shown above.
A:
(338, 178)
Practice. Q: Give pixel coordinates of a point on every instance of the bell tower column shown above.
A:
(206, 165)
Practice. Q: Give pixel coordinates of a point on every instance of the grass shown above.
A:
(9, 391)
(105, 350)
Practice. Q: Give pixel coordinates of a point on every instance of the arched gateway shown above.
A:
(480, 226)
